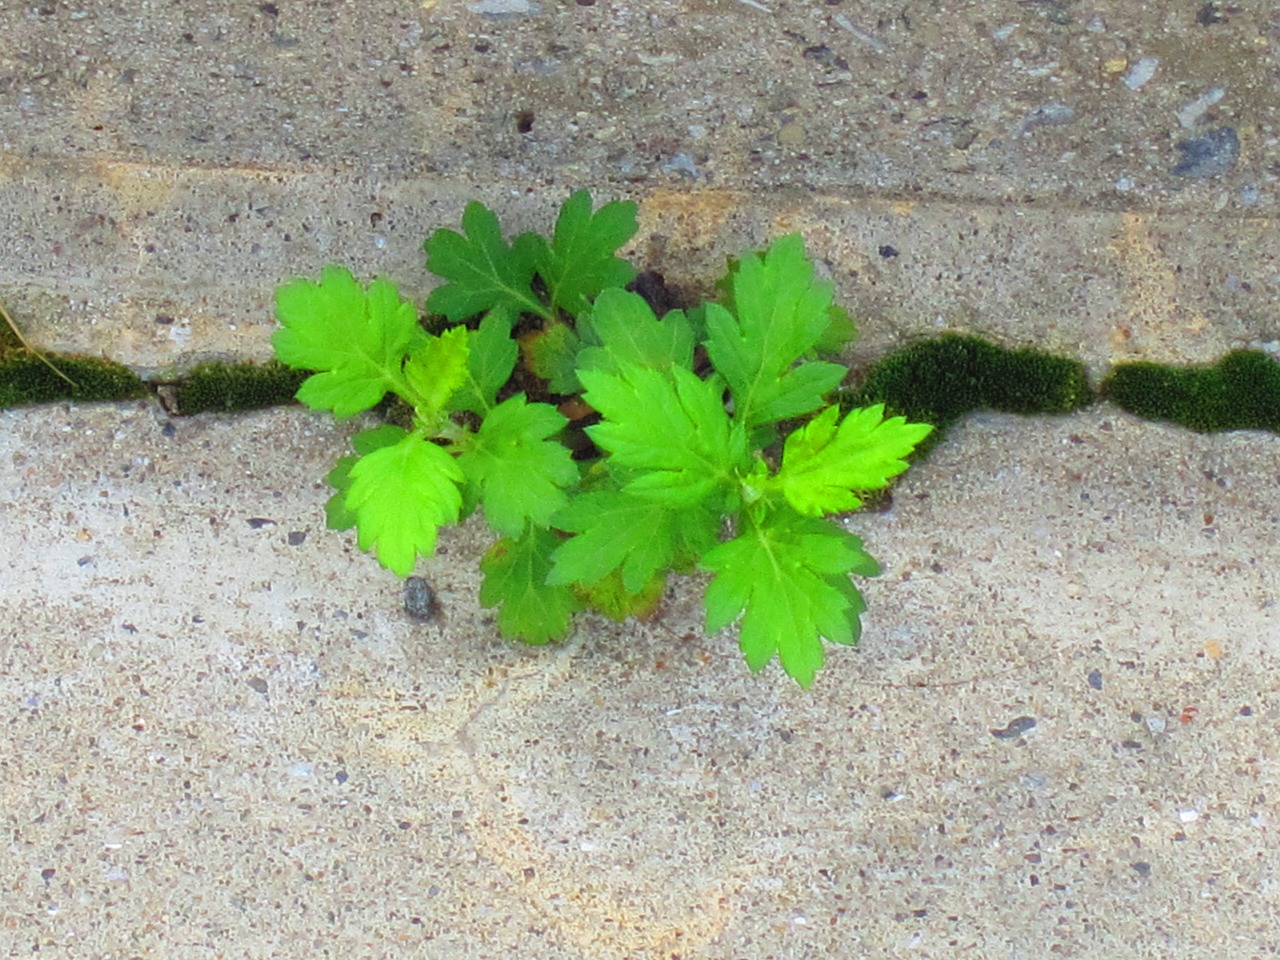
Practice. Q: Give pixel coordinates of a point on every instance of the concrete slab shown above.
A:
(226, 738)
(162, 172)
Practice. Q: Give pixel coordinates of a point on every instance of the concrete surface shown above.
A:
(226, 739)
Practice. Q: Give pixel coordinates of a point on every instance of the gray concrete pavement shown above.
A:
(227, 739)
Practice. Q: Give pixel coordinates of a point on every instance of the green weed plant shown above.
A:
(710, 442)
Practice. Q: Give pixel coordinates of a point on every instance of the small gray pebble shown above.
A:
(1015, 728)
(1208, 156)
(1095, 679)
(419, 599)
(259, 685)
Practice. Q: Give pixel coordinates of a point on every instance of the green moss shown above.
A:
(235, 386)
(939, 381)
(1239, 392)
(26, 378)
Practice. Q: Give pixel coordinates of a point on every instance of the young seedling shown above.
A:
(693, 466)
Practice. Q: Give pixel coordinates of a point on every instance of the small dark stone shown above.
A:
(257, 523)
(258, 685)
(419, 599)
(887, 251)
(1015, 728)
(270, 9)
(341, 776)
(1141, 868)
(1211, 14)
(1216, 153)
(297, 538)
(1095, 679)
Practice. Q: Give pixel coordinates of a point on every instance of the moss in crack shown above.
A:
(1239, 392)
(225, 387)
(939, 381)
(27, 378)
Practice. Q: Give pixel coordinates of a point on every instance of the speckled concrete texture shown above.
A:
(225, 738)
(1013, 171)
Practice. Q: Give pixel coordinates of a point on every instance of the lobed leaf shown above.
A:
(629, 333)
(671, 425)
(788, 578)
(338, 516)
(822, 464)
(515, 581)
(481, 271)
(552, 354)
(436, 370)
(491, 356)
(579, 261)
(513, 470)
(780, 313)
(619, 531)
(356, 341)
(401, 495)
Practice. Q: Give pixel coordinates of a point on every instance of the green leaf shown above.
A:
(618, 530)
(435, 371)
(513, 470)
(515, 578)
(355, 340)
(671, 425)
(337, 514)
(840, 331)
(823, 464)
(401, 495)
(481, 270)
(610, 597)
(631, 334)
(780, 313)
(579, 261)
(491, 356)
(790, 574)
(552, 354)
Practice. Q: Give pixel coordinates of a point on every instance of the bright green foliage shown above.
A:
(579, 261)
(355, 340)
(338, 515)
(684, 469)
(513, 470)
(671, 426)
(482, 271)
(620, 531)
(436, 369)
(515, 578)
(791, 577)
(823, 464)
(491, 356)
(780, 313)
(401, 495)
(635, 336)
